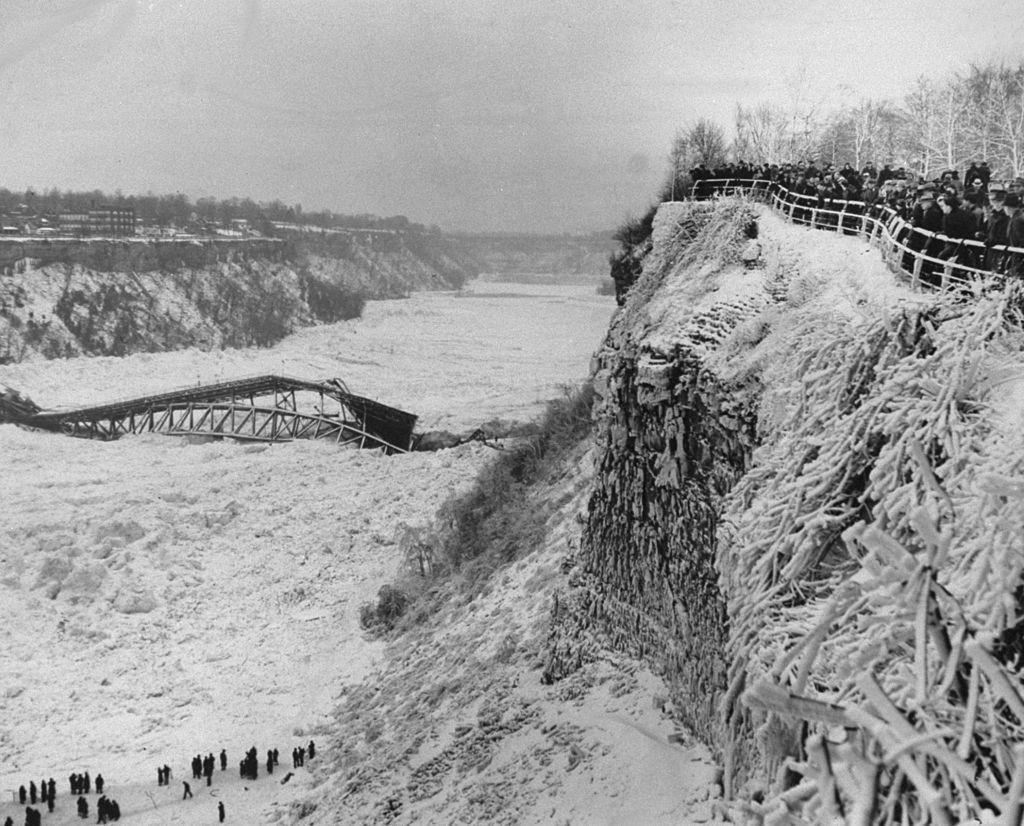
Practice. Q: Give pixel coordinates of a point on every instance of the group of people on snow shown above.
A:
(80, 784)
(973, 207)
(108, 810)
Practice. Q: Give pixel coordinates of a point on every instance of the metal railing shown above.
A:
(904, 247)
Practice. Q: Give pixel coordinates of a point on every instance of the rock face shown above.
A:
(807, 496)
(673, 438)
(107, 297)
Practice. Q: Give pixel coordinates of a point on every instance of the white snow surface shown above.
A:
(162, 598)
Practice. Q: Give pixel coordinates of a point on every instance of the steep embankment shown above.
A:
(806, 513)
(101, 297)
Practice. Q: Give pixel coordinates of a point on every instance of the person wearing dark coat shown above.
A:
(220, 811)
(926, 216)
(86, 782)
(958, 224)
(188, 790)
(83, 807)
(270, 762)
(312, 749)
(276, 757)
(43, 791)
(32, 792)
(115, 810)
(22, 795)
(223, 760)
(9, 821)
(49, 803)
(1014, 234)
(73, 782)
(99, 784)
(53, 788)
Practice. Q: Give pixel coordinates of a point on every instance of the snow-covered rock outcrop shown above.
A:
(807, 512)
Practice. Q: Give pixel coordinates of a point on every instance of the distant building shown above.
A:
(103, 221)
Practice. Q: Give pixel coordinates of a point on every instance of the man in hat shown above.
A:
(928, 217)
(993, 228)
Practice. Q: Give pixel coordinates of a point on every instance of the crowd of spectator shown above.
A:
(940, 213)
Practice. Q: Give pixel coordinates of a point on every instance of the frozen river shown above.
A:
(162, 599)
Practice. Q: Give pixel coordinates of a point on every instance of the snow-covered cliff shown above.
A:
(807, 513)
(111, 297)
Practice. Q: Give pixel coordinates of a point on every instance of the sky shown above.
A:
(478, 115)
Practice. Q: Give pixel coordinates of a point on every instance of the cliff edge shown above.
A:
(806, 514)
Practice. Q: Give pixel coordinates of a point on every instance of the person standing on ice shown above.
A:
(220, 811)
(53, 788)
(312, 749)
(42, 791)
(99, 784)
(22, 795)
(83, 807)
(86, 782)
(188, 790)
(32, 792)
(223, 760)
(270, 762)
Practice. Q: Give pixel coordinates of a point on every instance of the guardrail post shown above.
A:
(916, 275)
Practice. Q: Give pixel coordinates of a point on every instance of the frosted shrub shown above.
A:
(872, 564)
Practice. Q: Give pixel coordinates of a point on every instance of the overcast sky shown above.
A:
(473, 114)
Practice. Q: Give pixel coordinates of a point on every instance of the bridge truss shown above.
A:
(260, 408)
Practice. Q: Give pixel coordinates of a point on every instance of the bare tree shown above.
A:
(678, 158)
(706, 140)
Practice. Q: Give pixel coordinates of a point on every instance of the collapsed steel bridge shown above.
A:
(260, 408)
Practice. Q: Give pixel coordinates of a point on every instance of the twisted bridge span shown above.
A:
(262, 408)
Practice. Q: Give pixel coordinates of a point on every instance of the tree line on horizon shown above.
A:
(939, 123)
(167, 210)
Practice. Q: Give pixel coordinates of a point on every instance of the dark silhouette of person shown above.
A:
(86, 782)
(270, 762)
(188, 790)
(49, 803)
(99, 784)
(312, 749)
(53, 788)
(83, 807)
(101, 809)
(43, 788)
(277, 756)
(159, 775)
(220, 811)
(223, 760)
(32, 792)
(295, 758)
(115, 810)
(9, 821)
(22, 795)
(73, 782)
(167, 775)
